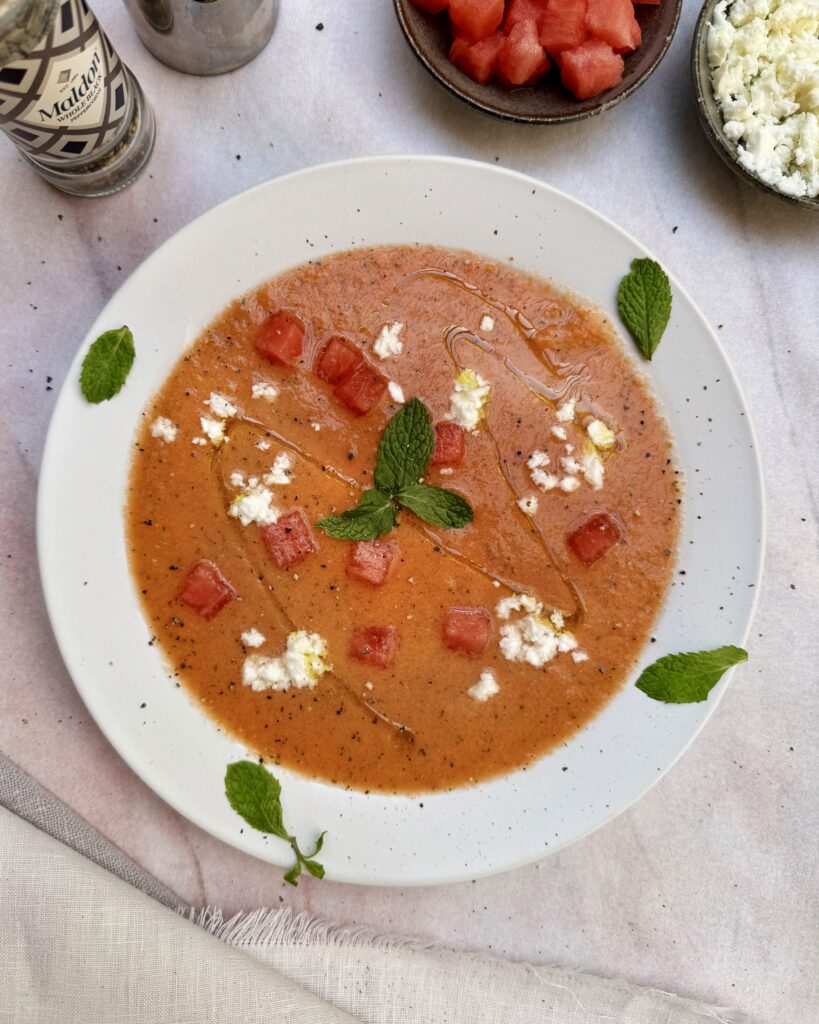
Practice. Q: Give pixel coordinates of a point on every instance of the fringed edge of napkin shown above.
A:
(266, 927)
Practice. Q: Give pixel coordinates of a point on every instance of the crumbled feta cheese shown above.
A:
(237, 479)
(593, 470)
(388, 343)
(252, 638)
(315, 426)
(198, 440)
(534, 638)
(214, 429)
(254, 506)
(487, 323)
(569, 484)
(263, 446)
(565, 411)
(396, 393)
(568, 448)
(601, 436)
(220, 406)
(369, 686)
(446, 470)
(764, 60)
(165, 429)
(537, 462)
(486, 686)
(470, 394)
(302, 664)
(578, 656)
(266, 390)
(528, 504)
(570, 465)
(280, 471)
(559, 433)
(517, 603)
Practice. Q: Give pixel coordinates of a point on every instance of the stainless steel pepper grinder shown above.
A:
(204, 37)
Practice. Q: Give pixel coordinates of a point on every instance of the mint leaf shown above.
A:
(405, 448)
(106, 365)
(293, 874)
(255, 795)
(644, 302)
(373, 516)
(688, 678)
(436, 505)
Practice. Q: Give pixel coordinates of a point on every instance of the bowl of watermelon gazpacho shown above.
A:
(539, 61)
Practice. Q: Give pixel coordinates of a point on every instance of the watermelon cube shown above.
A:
(281, 338)
(289, 540)
(476, 59)
(375, 645)
(593, 538)
(206, 590)
(370, 560)
(590, 68)
(563, 25)
(361, 389)
(339, 358)
(613, 21)
(432, 6)
(521, 59)
(467, 629)
(522, 10)
(475, 19)
(449, 444)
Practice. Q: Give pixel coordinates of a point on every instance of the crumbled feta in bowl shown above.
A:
(470, 393)
(756, 75)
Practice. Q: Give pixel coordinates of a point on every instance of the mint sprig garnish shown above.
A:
(644, 302)
(106, 365)
(403, 457)
(688, 678)
(255, 795)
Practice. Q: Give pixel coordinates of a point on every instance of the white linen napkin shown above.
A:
(81, 946)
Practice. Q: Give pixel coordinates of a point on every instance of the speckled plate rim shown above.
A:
(711, 121)
(377, 839)
(507, 114)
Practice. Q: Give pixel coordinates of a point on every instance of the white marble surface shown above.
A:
(708, 887)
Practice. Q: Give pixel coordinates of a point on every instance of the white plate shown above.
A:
(91, 599)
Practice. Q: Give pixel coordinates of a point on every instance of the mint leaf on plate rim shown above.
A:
(688, 678)
(644, 302)
(107, 364)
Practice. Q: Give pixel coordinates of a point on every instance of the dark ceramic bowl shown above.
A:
(547, 102)
(711, 119)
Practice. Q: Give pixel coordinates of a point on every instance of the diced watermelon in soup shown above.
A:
(289, 540)
(476, 59)
(206, 590)
(375, 645)
(594, 538)
(449, 444)
(361, 389)
(475, 19)
(613, 21)
(563, 25)
(339, 358)
(370, 560)
(590, 68)
(281, 338)
(432, 6)
(467, 629)
(521, 59)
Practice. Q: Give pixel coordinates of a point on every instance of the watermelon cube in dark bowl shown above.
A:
(454, 61)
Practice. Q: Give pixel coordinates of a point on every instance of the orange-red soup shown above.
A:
(412, 625)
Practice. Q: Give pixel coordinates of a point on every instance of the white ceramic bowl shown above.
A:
(91, 599)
